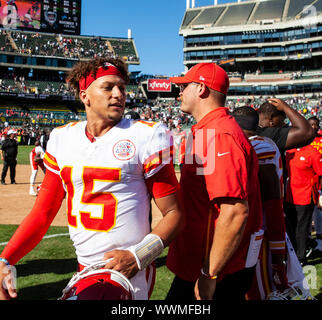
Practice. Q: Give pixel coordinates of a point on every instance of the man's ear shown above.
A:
(84, 97)
(203, 90)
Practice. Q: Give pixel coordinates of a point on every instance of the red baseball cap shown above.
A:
(210, 74)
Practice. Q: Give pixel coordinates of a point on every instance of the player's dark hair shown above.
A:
(84, 68)
(270, 111)
(246, 117)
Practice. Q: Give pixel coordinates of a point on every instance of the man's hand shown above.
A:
(122, 261)
(301, 132)
(205, 288)
(278, 103)
(7, 283)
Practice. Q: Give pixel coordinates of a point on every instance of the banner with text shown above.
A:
(159, 85)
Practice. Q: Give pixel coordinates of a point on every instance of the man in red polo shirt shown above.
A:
(304, 166)
(215, 254)
(317, 213)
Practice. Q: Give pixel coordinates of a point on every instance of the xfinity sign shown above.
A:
(159, 85)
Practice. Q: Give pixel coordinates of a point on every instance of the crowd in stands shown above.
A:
(35, 119)
(308, 107)
(27, 134)
(169, 111)
(21, 85)
(50, 45)
(31, 123)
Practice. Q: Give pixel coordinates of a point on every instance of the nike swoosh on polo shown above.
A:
(222, 154)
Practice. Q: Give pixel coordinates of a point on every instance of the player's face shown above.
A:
(188, 94)
(105, 99)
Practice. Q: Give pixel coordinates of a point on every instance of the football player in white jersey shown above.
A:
(36, 160)
(109, 167)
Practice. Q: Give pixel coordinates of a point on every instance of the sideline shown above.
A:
(45, 237)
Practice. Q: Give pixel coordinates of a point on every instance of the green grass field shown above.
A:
(46, 270)
(23, 154)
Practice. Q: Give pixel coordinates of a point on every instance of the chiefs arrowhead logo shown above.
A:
(124, 150)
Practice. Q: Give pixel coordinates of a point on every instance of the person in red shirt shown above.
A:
(213, 257)
(305, 173)
(317, 213)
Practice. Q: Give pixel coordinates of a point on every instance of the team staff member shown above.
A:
(108, 166)
(9, 151)
(304, 167)
(317, 213)
(220, 193)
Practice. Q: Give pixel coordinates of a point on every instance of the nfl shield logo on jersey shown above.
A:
(124, 150)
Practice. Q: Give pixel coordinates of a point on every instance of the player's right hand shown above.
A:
(122, 261)
(7, 283)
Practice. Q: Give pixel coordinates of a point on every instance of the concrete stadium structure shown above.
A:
(271, 47)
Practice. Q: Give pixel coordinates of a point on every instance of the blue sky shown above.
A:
(154, 24)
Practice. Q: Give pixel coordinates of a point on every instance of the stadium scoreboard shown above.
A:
(52, 16)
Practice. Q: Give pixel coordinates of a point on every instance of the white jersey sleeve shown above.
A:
(158, 151)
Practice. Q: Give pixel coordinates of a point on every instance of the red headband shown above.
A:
(107, 69)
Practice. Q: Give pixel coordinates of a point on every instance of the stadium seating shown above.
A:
(236, 15)
(248, 12)
(75, 47)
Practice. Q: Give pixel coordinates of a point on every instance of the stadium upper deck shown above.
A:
(259, 37)
(60, 51)
(33, 64)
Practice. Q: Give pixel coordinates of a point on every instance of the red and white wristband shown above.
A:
(146, 251)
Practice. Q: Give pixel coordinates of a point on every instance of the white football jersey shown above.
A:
(268, 153)
(37, 151)
(107, 200)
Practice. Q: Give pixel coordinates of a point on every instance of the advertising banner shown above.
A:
(159, 85)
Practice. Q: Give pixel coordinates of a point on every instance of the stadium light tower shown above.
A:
(187, 4)
(193, 3)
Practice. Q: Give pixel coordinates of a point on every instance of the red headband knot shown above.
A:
(107, 69)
